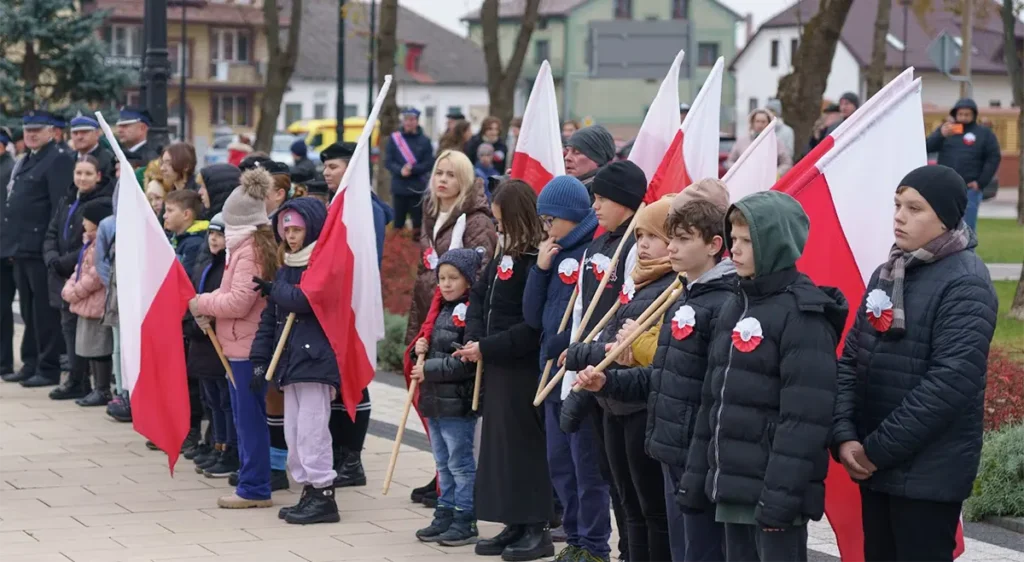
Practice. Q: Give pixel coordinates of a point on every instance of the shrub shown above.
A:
(391, 349)
(999, 487)
(398, 270)
(1004, 392)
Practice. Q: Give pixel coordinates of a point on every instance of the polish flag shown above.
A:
(757, 169)
(153, 291)
(693, 152)
(538, 156)
(847, 190)
(660, 126)
(342, 282)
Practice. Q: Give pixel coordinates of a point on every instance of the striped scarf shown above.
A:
(893, 274)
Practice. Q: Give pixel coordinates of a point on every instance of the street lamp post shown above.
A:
(372, 57)
(339, 109)
(182, 68)
(157, 69)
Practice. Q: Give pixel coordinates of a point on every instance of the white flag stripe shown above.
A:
(660, 124)
(540, 136)
(701, 128)
(144, 257)
(757, 168)
(880, 99)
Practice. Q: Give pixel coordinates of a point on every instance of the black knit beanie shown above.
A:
(623, 182)
(943, 189)
(98, 209)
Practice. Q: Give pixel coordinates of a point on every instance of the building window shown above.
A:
(995, 103)
(319, 111)
(230, 109)
(132, 98)
(174, 125)
(707, 54)
(228, 45)
(775, 53)
(292, 113)
(541, 50)
(794, 46)
(178, 56)
(623, 9)
(752, 104)
(125, 40)
(680, 9)
(542, 24)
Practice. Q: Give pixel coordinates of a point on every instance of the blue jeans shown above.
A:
(693, 537)
(974, 197)
(250, 416)
(218, 399)
(452, 442)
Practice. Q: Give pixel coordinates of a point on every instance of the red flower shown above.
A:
(747, 334)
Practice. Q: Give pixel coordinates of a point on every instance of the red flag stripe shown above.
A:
(525, 167)
(671, 175)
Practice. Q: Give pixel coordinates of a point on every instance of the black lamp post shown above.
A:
(906, 19)
(182, 68)
(372, 57)
(156, 69)
(339, 109)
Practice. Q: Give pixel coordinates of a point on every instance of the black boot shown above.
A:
(320, 507)
(429, 499)
(95, 398)
(442, 521)
(208, 461)
(233, 479)
(203, 453)
(351, 471)
(191, 441)
(278, 480)
(533, 545)
(497, 545)
(307, 491)
(100, 395)
(417, 493)
(226, 464)
(462, 531)
(74, 387)
(39, 380)
(18, 376)
(120, 409)
(202, 449)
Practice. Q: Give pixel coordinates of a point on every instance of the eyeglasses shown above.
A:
(547, 221)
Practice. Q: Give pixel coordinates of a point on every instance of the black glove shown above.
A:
(263, 287)
(258, 384)
(556, 344)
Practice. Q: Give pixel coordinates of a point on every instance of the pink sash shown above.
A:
(403, 147)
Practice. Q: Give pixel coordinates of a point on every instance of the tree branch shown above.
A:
(492, 52)
(273, 27)
(515, 62)
(876, 71)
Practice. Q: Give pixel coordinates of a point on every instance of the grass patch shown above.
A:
(1000, 241)
(1009, 332)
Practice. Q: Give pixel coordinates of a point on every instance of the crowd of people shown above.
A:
(702, 396)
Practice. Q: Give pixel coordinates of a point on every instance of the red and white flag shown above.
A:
(661, 124)
(757, 169)
(342, 281)
(693, 152)
(153, 291)
(850, 206)
(538, 156)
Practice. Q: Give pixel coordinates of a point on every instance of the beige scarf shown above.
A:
(300, 258)
(649, 271)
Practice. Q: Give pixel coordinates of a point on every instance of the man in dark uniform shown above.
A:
(85, 138)
(133, 132)
(59, 137)
(7, 163)
(39, 183)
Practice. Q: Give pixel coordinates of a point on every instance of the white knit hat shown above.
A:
(246, 206)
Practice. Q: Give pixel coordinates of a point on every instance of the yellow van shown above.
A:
(321, 133)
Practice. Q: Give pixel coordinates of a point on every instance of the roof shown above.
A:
(199, 11)
(513, 9)
(447, 58)
(987, 39)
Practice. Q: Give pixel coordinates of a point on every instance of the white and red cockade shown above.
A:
(683, 322)
(505, 268)
(747, 334)
(569, 271)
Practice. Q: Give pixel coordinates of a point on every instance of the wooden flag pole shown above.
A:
(413, 385)
(220, 353)
(280, 346)
(539, 399)
(561, 328)
(476, 385)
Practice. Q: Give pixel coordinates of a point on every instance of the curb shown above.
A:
(1015, 524)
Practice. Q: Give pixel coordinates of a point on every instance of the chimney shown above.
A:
(749, 20)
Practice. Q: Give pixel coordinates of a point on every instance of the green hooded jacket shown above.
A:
(778, 230)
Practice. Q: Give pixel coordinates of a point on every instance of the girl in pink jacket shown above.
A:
(85, 292)
(236, 307)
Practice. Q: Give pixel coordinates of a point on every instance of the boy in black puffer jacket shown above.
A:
(759, 447)
(446, 401)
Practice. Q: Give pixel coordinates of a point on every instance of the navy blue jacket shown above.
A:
(423, 151)
(307, 355)
(40, 183)
(382, 216)
(547, 294)
(189, 244)
(974, 154)
(202, 361)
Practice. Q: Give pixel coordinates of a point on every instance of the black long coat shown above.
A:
(513, 485)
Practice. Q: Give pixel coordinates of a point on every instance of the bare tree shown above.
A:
(501, 83)
(280, 66)
(800, 91)
(1009, 13)
(876, 71)
(387, 46)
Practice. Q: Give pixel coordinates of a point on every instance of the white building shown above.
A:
(768, 55)
(436, 71)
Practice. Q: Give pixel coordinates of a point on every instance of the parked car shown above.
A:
(280, 150)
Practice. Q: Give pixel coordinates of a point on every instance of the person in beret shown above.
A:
(133, 130)
(454, 116)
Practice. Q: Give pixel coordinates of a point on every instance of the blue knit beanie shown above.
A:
(298, 148)
(564, 197)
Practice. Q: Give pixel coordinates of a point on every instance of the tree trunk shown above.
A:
(1017, 308)
(31, 68)
(280, 66)
(1015, 67)
(502, 81)
(800, 91)
(876, 72)
(387, 45)
(966, 40)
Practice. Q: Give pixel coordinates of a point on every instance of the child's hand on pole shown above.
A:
(589, 379)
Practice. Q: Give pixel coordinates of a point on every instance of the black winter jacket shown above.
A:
(220, 180)
(974, 154)
(763, 427)
(202, 359)
(917, 402)
(447, 389)
(64, 238)
(39, 184)
(672, 384)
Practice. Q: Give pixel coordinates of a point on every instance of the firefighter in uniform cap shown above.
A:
(133, 130)
(85, 139)
(40, 181)
(59, 135)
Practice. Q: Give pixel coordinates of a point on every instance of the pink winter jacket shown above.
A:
(235, 305)
(84, 291)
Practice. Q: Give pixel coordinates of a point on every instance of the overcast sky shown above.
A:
(448, 12)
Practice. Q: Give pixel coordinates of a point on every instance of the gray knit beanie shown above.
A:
(466, 260)
(246, 206)
(595, 142)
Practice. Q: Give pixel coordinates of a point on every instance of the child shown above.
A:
(85, 293)
(484, 167)
(771, 384)
(182, 209)
(513, 486)
(205, 367)
(307, 373)
(251, 251)
(637, 477)
(564, 210)
(446, 400)
(671, 386)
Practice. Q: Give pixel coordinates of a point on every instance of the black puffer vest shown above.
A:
(447, 388)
